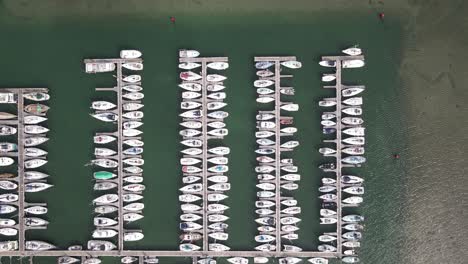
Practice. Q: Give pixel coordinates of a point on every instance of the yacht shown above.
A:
(32, 119)
(92, 261)
(37, 96)
(327, 151)
(36, 186)
(327, 212)
(188, 53)
(7, 130)
(190, 95)
(134, 66)
(133, 151)
(265, 159)
(265, 116)
(328, 181)
(192, 114)
(8, 245)
(265, 177)
(290, 107)
(289, 260)
(188, 105)
(102, 105)
(133, 96)
(128, 260)
(220, 187)
(264, 134)
(217, 207)
(265, 99)
(132, 78)
(190, 237)
(289, 228)
(263, 83)
(290, 236)
(8, 98)
(133, 236)
(219, 168)
(35, 245)
(189, 76)
(130, 54)
(351, 91)
(290, 144)
(189, 132)
(105, 163)
(34, 141)
(266, 124)
(100, 245)
(104, 175)
(67, 260)
(217, 96)
(352, 244)
(265, 212)
(265, 142)
(189, 161)
(292, 210)
(218, 114)
(36, 109)
(189, 65)
(266, 220)
(328, 196)
(354, 159)
(292, 64)
(34, 175)
(218, 65)
(327, 123)
(218, 226)
(103, 152)
(287, 91)
(352, 120)
(264, 169)
(35, 129)
(190, 207)
(289, 202)
(262, 65)
(8, 185)
(266, 186)
(353, 51)
(131, 106)
(328, 116)
(353, 227)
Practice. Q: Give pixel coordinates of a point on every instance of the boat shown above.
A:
(326, 238)
(188, 247)
(264, 238)
(189, 132)
(290, 168)
(6, 161)
(290, 144)
(262, 65)
(189, 226)
(266, 247)
(327, 212)
(103, 139)
(289, 228)
(265, 73)
(352, 244)
(352, 63)
(189, 76)
(190, 207)
(265, 99)
(290, 186)
(265, 212)
(353, 235)
(350, 259)
(106, 116)
(289, 130)
(266, 116)
(192, 151)
(219, 160)
(36, 109)
(353, 200)
(190, 217)
(36, 245)
(188, 53)
(263, 83)
(102, 105)
(264, 91)
(327, 123)
(318, 260)
(189, 161)
(265, 159)
(192, 114)
(219, 168)
(91, 260)
(354, 159)
(190, 169)
(191, 86)
(133, 151)
(8, 185)
(8, 197)
(327, 63)
(105, 163)
(328, 77)
(353, 218)
(216, 197)
(292, 210)
(352, 120)
(264, 169)
(218, 226)
(36, 186)
(327, 103)
(289, 220)
(131, 197)
(104, 221)
(217, 247)
(7, 222)
(219, 150)
(219, 236)
(326, 248)
(238, 260)
(287, 91)
(289, 202)
(191, 124)
(219, 132)
(355, 131)
(216, 218)
(289, 260)
(103, 152)
(133, 96)
(133, 142)
(353, 227)
(189, 65)
(217, 95)
(327, 188)
(128, 259)
(133, 179)
(291, 177)
(354, 140)
(328, 116)
(105, 209)
(75, 247)
(132, 88)
(266, 125)
(104, 233)
(328, 181)
(290, 107)
(106, 199)
(264, 204)
(134, 66)
(327, 151)
(264, 134)
(132, 217)
(133, 236)
(130, 54)
(32, 119)
(134, 187)
(189, 105)
(354, 101)
(133, 115)
(218, 65)
(218, 114)
(7, 175)
(8, 98)
(265, 142)
(6, 209)
(134, 161)
(353, 51)
(290, 236)
(196, 187)
(7, 130)
(67, 260)
(190, 95)
(100, 245)
(220, 187)
(266, 186)
(131, 106)
(36, 96)
(132, 78)
(152, 260)
(35, 129)
(292, 64)
(190, 237)
(104, 175)
(352, 91)
(351, 179)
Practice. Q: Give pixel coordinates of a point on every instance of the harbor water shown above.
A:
(414, 105)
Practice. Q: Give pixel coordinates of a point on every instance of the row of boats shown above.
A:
(34, 135)
(276, 173)
(111, 194)
(349, 124)
(203, 168)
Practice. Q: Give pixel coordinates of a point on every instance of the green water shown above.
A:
(49, 54)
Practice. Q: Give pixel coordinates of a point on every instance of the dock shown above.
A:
(204, 137)
(119, 157)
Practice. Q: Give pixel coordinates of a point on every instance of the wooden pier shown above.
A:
(119, 157)
(339, 144)
(204, 137)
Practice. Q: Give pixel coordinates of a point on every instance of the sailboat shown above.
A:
(292, 64)
(353, 64)
(189, 65)
(130, 54)
(188, 53)
(133, 96)
(103, 139)
(37, 96)
(132, 88)
(218, 65)
(134, 66)
(35, 245)
(262, 65)
(352, 51)
(189, 76)
(102, 105)
(36, 109)
(263, 83)
(36, 186)
(132, 78)
(35, 129)
(7, 130)
(106, 116)
(34, 163)
(32, 119)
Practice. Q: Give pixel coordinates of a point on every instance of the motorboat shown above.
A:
(327, 212)
(355, 131)
(131, 106)
(104, 233)
(318, 260)
(36, 245)
(264, 238)
(7, 175)
(219, 160)
(354, 141)
(216, 218)
(102, 105)
(349, 179)
(266, 247)
(133, 142)
(33, 119)
(218, 247)
(353, 235)
(220, 187)
(218, 114)
(238, 260)
(326, 238)
(354, 160)
(134, 66)
(289, 202)
(216, 197)
(327, 188)
(133, 96)
(189, 65)
(36, 109)
(326, 248)
(190, 169)
(353, 227)
(215, 78)
(190, 217)
(352, 120)
(290, 107)
(265, 99)
(219, 150)
(134, 187)
(130, 54)
(191, 124)
(106, 116)
(266, 186)
(290, 144)
(133, 179)
(196, 187)
(189, 132)
(351, 91)
(219, 236)
(132, 78)
(327, 123)
(218, 65)
(7, 222)
(131, 197)
(132, 88)
(292, 64)
(215, 105)
(35, 129)
(219, 168)
(192, 151)
(105, 163)
(133, 115)
(106, 199)
(327, 103)
(7, 130)
(8, 197)
(103, 152)
(328, 77)
(327, 151)
(132, 217)
(353, 200)
(350, 259)
(219, 132)
(188, 53)
(327, 166)
(105, 209)
(353, 218)
(287, 91)
(264, 204)
(37, 96)
(352, 63)
(9, 245)
(103, 139)
(262, 65)
(291, 177)
(189, 226)
(100, 245)
(266, 125)
(289, 220)
(133, 236)
(263, 83)
(6, 161)
(188, 105)
(352, 244)
(36, 186)
(8, 98)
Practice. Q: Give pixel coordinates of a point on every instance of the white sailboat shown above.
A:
(263, 83)
(351, 91)
(133, 96)
(188, 53)
(190, 95)
(265, 99)
(353, 51)
(131, 106)
(189, 65)
(353, 101)
(218, 65)
(130, 54)
(32, 119)
(352, 63)
(352, 120)
(327, 77)
(132, 78)
(290, 107)
(35, 129)
(215, 78)
(355, 111)
(219, 150)
(292, 64)
(132, 88)
(215, 105)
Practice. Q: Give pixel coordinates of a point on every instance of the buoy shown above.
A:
(396, 156)
(172, 19)
(382, 16)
